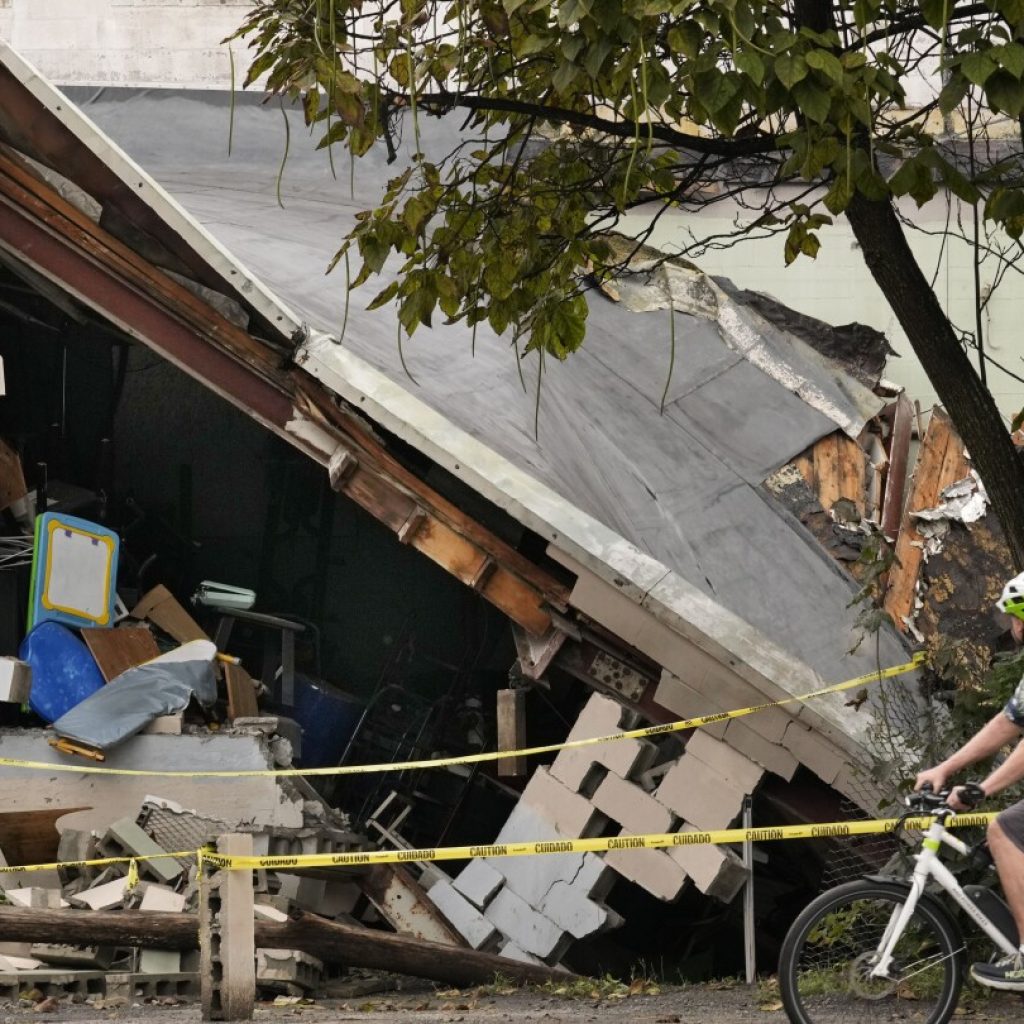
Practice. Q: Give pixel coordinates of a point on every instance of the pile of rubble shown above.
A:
(165, 883)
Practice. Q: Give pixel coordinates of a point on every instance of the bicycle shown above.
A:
(883, 946)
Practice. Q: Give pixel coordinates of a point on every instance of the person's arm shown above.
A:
(987, 741)
(1009, 772)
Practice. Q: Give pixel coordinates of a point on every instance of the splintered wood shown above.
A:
(835, 468)
(941, 462)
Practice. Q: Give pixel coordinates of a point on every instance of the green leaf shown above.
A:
(827, 63)
(1011, 57)
(1005, 93)
(813, 99)
(565, 74)
(790, 70)
(978, 67)
(936, 12)
(953, 93)
(686, 38)
(384, 297)
(839, 195)
(715, 89)
(350, 108)
(568, 326)
(750, 64)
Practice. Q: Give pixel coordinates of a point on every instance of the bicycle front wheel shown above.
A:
(830, 950)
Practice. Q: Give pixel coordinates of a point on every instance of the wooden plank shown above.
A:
(851, 471)
(804, 463)
(826, 471)
(899, 458)
(241, 693)
(31, 837)
(12, 478)
(160, 607)
(117, 650)
(925, 486)
(511, 731)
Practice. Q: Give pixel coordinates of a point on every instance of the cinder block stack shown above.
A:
(535, 907)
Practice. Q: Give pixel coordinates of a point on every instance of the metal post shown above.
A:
(748, 895)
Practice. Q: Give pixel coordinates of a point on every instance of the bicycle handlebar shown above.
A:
(926, 799)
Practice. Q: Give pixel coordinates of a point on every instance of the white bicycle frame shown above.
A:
(927, 865)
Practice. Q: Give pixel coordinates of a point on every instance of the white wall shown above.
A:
(837, 287)
(127, 42)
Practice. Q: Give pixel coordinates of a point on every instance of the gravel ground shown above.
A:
(724, 1003)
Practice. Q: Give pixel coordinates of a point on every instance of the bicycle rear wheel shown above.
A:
(830, 950)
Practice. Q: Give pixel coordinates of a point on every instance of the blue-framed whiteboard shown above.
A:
(74, 572)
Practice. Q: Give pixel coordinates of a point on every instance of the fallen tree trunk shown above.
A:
(327, 940)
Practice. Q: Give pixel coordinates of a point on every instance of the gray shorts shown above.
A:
(1011, 821)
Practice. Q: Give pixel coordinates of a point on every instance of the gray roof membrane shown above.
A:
(683, 486)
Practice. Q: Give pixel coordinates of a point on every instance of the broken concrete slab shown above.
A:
(573, 911)
(94, 958)
(526, 927)
(255, 801)
(15, 681)
(276, 968)
(162, 898)
(568, 812)
(771, 756)
(165, 725)
(34, 896)
(103, 897)
(812, 750)
(160, 961)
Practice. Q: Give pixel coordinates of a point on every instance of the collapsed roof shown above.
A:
(661, 519)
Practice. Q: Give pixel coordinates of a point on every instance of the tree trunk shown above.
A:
(969, 403)
(327, 940)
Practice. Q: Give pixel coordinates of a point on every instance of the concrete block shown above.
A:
(699, 795)
(527, 928)
(11, 964)
(307, 893)
(35, 896)
(771, 756)
(96, 958)
(463, 916)
(127, 837)
(600, 716)
(160, 961)
(736, 767)
(653, 870)
(276, 967)
(339, 898)
(631, 807)
(478, 881)
(569, 813)
(162, 899)
(816, 753)
(103, 897)
(268, 913)
(574, 912)
(165, 725)
(15, 681)
(510, 951)
(715, 870)
(717, 688)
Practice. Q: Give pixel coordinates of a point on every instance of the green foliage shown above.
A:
(581, 110)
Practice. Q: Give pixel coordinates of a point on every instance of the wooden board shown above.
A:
(511, 731)
(117, 650)
(31, 837)
(241, 693)
(161, 608)
(940, 463)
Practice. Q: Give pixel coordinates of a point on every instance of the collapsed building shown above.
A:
(173, 358)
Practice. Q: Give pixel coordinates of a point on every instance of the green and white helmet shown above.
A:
(1011, 600)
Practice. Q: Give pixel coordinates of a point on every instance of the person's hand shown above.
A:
(955, 802)
(934, 777)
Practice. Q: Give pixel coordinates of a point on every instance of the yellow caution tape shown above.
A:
(659, 841)
(668, 840)
(445, 762)
(98, 862)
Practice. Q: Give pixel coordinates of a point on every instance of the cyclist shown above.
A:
(1006, 832)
